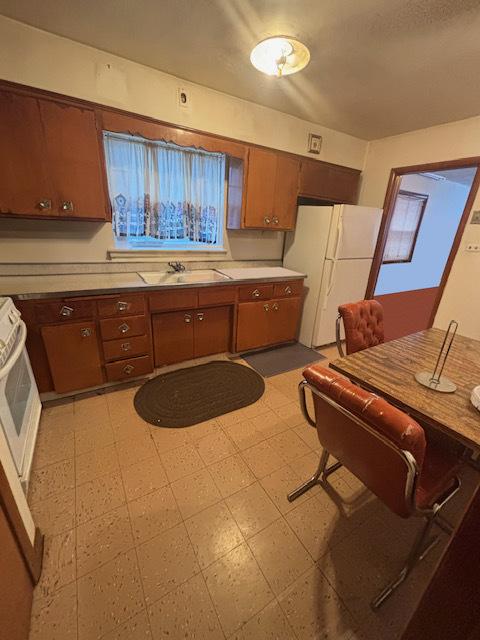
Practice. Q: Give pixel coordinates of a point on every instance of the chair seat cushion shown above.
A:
(438, 472)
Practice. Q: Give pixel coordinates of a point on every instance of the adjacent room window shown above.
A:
(404, 227)
(165, 196)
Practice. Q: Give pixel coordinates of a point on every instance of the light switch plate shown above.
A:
(475, 218)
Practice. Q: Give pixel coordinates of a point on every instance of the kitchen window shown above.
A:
(165, 196)
(404, 227)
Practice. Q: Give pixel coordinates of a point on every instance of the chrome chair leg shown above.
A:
(419, 550)
(311, 482)
(320, 474)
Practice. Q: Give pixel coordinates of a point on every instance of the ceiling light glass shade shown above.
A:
(280, 56)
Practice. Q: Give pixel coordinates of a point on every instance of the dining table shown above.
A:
(389, 369)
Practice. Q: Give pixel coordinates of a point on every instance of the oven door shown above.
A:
(19, 404)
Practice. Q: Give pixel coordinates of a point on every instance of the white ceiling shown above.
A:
(378, 67)
(460, 176)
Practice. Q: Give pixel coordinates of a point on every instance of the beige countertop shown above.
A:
(47, 286)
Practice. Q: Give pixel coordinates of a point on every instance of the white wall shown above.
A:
(445, 204)
(461, 298)
(36, 58)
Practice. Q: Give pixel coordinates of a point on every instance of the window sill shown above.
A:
(163, 255)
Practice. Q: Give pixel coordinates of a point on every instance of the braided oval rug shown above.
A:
(188, 396)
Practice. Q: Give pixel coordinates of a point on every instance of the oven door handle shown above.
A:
(21, 339)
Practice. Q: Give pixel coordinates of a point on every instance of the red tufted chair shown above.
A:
(363, 324)
(385, 449)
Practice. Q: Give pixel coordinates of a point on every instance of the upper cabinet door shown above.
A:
(75, 161)
(262, 167)
(286, 192)
(329, 182)
(25, 187)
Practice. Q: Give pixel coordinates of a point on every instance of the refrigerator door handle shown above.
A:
(339, 236)
(330, 283)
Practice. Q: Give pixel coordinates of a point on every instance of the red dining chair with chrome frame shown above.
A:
(384, 448)
(363, 324)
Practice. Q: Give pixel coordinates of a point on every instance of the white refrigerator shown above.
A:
(334, 246)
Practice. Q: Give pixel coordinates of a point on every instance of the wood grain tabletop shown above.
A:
(388, 369)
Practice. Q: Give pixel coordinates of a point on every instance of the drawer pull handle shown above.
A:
(66, 311)
(266, 307)
(255, 293)
(45, 204)
(288, 291)
(124, 328)
(85, 333)
(122, 306)
(267, 220)
(67, 205)
(128, 369)
(125, 346)
(275, 220)
(275, 306)
(200, 316)
(187, 318)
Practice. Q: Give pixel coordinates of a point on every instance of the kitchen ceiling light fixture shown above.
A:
(280, 56)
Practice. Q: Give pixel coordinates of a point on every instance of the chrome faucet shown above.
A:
(177, 267)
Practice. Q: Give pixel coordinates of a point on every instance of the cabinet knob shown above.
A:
(122, 306)
(86, 332)
(128, 369)
(125, 346)
(200, 316)
(67, 205)
(288, 291)
(187, 318)
(267, 219)
(66, 311)
(44, 204)
(255, 293)
(275, 306)
(266, 307)
(275, 220)
(123, 328)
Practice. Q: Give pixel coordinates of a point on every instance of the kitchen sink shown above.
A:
(184, 277)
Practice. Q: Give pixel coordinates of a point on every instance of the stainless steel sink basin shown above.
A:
(185, 277)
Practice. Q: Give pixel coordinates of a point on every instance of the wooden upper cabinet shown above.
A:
(51, 159)
(286, 192)
(74, 160)
(329, 182)
(272, 188)
(262, 167)
(25, 186)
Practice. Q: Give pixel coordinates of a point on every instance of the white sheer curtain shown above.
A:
(160, 191)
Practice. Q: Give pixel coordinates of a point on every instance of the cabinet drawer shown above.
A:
(255, 292)
(216, 295)
(171, 300)
(121, 306)
(123, 327)
(65, 310)
(128, 368)
(288, 289)
(126, 347)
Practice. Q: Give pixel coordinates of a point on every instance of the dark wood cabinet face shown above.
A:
(260, 324)
(173, 337)
(73, 355)
(25, 185)
(262, 167)
(212, 331)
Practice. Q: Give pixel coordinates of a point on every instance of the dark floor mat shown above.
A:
(188, 396)
(271, 362)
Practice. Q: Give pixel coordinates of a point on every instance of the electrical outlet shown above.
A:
(473, 247)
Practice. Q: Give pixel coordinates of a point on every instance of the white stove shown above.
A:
(20, 404)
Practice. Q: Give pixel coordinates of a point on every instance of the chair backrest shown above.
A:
(363, 324)
(381, 445)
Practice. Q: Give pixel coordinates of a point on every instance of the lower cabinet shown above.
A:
(183, 335)
(260, 324)
(73, 355)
